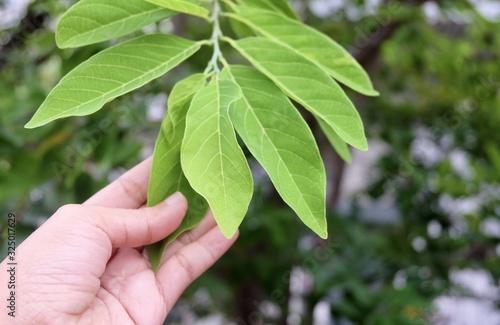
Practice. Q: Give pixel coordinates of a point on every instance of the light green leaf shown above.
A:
(337, 143)
(93, 21)
(192, 7)
(211, 158)
(307, 41)
(166, 172)
(277, 6)
(280, 139)
(112, 73)
(306, 83)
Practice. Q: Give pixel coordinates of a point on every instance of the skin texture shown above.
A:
(86, 264)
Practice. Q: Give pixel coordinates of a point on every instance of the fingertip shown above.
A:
(176, 203)
(175, 207)
(175, 199)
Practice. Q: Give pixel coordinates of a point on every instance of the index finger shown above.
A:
(129, 191)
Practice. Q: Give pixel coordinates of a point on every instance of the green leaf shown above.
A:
(166, 172)
(191, 7)
(277, 6)
(112, 73)
(211, 158)
(240, 30)
(337, 143)
(307, 41)
(306, 83)
(280, 139)
(93, 21)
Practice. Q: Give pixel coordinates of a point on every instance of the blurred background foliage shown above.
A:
(404, 217)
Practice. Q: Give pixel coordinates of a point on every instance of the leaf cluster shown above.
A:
(197, 151)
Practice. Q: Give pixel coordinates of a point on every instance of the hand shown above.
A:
(81, 267)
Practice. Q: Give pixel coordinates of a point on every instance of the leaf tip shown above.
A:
(321, 229)
(31, 125)
(362, 144)
(372, 93)
(364, 147)
(228, 232)
(36, 121)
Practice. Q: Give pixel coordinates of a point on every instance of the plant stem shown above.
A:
(213, 66)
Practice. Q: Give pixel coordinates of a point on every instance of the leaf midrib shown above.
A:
(352, 140)
(277, 40)
(276, 150)
(219, 135)
(124, 85)
(365, 89)
(286, 89)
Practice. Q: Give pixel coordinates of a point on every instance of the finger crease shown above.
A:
(132, 190)
(186, 265)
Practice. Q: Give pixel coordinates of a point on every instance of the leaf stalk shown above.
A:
(217, 35)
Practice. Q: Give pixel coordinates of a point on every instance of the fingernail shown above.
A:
(174, 198)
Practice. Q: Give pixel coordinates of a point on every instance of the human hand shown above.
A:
(85, 264)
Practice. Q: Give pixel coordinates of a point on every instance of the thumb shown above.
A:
(138, 227)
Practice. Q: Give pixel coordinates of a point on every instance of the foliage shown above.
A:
(298, 61)
(439, 101)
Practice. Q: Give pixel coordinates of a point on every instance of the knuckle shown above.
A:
(186, 265)
(149, 233)
(68, 211)
(187, 237)
(131, 189)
